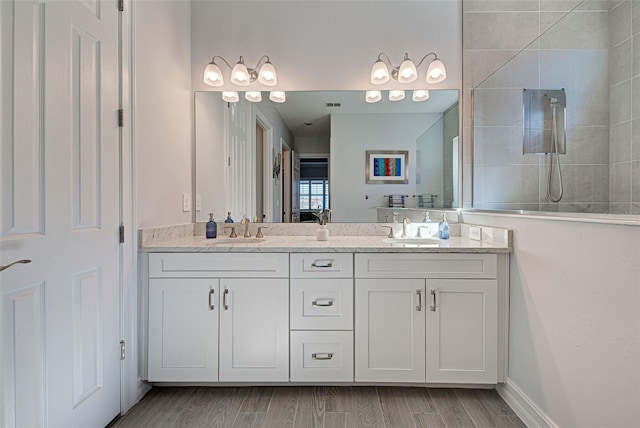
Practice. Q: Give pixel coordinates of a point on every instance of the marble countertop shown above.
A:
(309, 244)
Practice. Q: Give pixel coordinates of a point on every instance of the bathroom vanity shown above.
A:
(353, 309)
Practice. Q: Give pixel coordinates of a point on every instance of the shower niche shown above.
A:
(544, 111)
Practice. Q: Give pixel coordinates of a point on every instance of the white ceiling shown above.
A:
(310, 106)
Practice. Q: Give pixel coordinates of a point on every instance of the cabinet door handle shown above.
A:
(322, 263)
(224, 299)
(419, 293)
(322, 302)
(211, 305)
(322, 356)
(432, 308)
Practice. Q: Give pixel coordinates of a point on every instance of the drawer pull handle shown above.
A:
(224, 299)
(322, 264)
(322, 302)
(23, 262)
(322, 356)
(419, 307)
(433, 296)
(211, 305)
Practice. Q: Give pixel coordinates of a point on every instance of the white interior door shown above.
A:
(240, 163)
(60, 208)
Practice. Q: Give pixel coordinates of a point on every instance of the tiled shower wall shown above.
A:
(624, 150)
(573, 54)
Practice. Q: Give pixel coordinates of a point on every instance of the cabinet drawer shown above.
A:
(321, 304)
(322, 356)
(217, 265)
(322, 265)
(443, 265)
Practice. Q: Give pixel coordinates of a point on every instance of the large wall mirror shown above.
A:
(281, 162)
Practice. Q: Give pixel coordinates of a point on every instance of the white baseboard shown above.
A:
(523, 406)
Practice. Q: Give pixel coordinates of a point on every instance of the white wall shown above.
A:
(430, 162)
(163, 111)
(351, 136)
(574, 339)
(326, 45)
(211, 155)
(312, 145)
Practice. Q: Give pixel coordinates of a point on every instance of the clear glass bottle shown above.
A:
(443, 228)
(426, 217)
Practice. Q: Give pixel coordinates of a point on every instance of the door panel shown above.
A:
(389, 330)
(60, 313)
(462, 331)
(295, 187)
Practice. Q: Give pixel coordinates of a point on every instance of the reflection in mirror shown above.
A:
(282, 162)
(589, 172)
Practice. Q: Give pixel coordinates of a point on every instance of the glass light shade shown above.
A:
(230, 97)
(278, 96)
(240, 75)
(396, 95)
(420, 95)
(253, 96)
(379, 73)
(407, 72)
(436, 72)
(373, 96)
(213, 75)
(267, 75)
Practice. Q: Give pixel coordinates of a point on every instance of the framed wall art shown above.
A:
(387, 167)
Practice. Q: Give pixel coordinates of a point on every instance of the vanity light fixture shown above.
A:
(277, 96)
(420, 95)
(264, 72)
(230, 97)
(396, 95)
(373, 96)
(406, 72)
(253, 96)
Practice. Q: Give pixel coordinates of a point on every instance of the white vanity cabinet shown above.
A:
(426, 318)
(321, 317)
(200, 300)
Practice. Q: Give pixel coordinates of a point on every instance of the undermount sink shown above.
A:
(412, 241)
(231, 241)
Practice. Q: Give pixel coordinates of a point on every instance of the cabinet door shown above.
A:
(390, 330)
(254, 330)
(183, 330)
(462, 331)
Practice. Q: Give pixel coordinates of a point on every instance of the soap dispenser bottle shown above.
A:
(211, 228)
(229, 219)
(426, 217)
(443, 228)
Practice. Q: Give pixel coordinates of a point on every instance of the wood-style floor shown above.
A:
(330, 407)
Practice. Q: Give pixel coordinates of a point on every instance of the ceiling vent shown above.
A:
(333, 105)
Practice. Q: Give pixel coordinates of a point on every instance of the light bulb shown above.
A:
(253, 96)
(240, 74)
(436, 72)
(407, 72)
(230, 97)
(379, 73)
(373, 96)
(213, 75)
(396, 95)
(267, 75)
(278, 96)
(420, 95)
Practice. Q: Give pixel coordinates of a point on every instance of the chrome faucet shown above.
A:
(405, 222)
(247, 229)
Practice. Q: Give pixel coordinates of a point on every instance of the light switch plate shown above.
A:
(186, 202)
(198, 202)
(475, 233)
